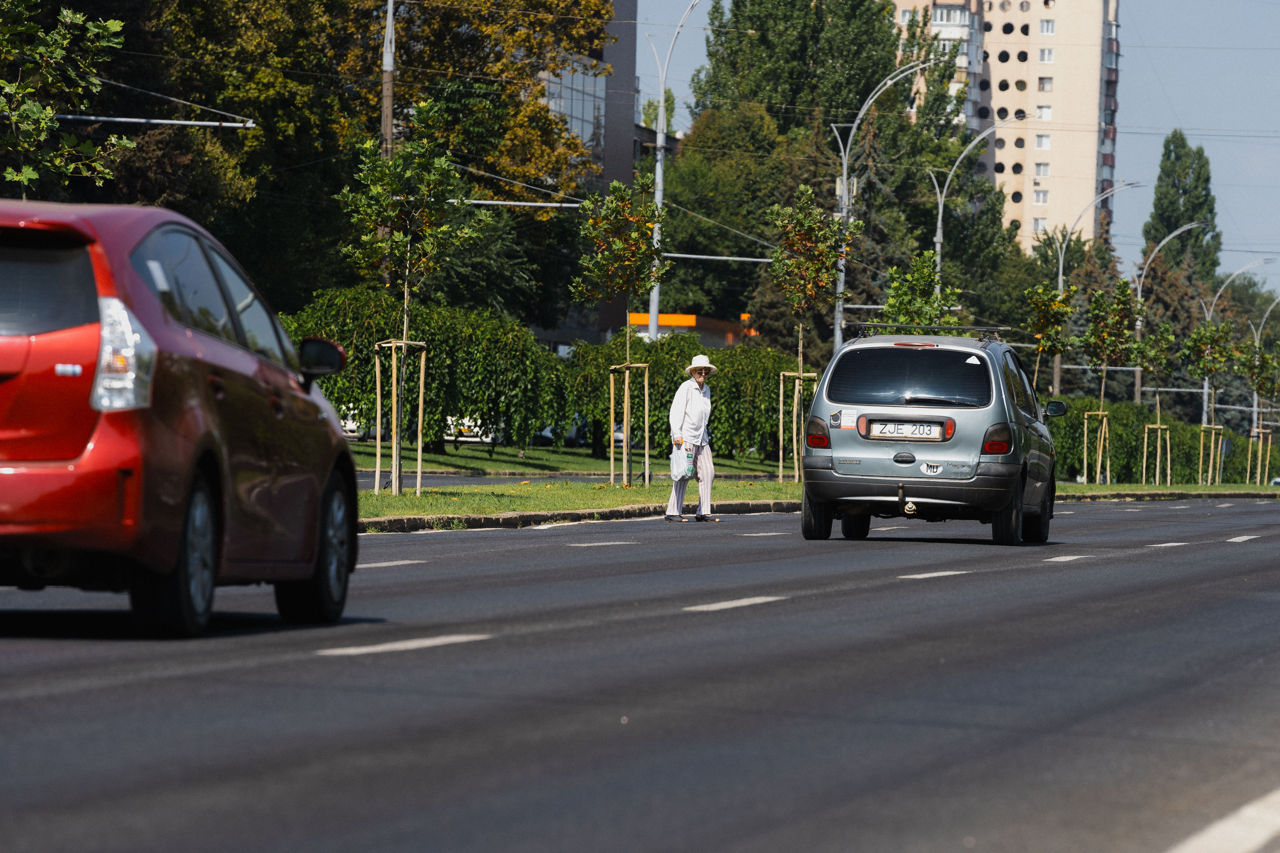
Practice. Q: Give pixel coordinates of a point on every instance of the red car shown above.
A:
(159, 433)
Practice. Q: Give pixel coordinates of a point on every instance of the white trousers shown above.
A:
(706, 472)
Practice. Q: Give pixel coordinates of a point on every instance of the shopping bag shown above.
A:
(677, 463)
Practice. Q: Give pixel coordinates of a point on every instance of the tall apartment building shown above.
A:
(1055, 63)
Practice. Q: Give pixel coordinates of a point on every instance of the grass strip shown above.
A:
(558, 496)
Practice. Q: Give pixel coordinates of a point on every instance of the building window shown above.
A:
(1044, 112)
(1045, 84)
(1046, 27)
(1046, 55)
(1040, 224)
(1041, 197)
(1042, 142)
(908, 15)
(1042, 170)
(950, 15)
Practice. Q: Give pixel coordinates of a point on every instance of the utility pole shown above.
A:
(388, 74)
(388, 129)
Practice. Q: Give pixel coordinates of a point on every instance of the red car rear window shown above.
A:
(46, 283)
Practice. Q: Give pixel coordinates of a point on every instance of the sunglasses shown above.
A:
(701, 371)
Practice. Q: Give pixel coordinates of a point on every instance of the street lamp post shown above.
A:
(1208, 318)
(942, 193)
(1142, 274)
(1062, 254)
(846, 144)
(661, 158)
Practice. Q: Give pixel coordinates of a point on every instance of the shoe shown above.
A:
(705, 518)
(679, 518)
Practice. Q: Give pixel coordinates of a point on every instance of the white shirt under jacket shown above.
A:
(690, 411)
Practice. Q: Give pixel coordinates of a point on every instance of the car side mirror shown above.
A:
(319, 357)
(1055, 409)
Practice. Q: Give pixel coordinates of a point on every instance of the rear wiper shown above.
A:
(912, 400)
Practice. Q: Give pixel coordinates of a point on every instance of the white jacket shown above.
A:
(690, 411)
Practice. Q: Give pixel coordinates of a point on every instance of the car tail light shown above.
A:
(126, 360)
(816, 434)
(998, 440)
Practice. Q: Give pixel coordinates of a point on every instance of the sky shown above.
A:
(1209, 69)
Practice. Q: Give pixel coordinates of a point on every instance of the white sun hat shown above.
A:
(700, 361)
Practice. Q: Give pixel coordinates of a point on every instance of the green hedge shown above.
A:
(491, 371)
(744, 390)
(1126, 426)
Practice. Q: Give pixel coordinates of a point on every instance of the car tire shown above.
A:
(855, 525)
(1035, 528)
(815, 518)
(1006, 524)
(321, 598)
(180, 603)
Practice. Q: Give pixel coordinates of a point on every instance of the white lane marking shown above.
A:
(1067, 558)
(779, 533)
(928, 575)
(1131, 510)
(1247, 829)
(1166, 544)
(1223, 506)
(1242, 538)
(390, 564)
(597, 544)
(729, 605)
(898, 527)
(1064, 512)
(404, 645)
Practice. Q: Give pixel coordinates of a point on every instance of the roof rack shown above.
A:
(988, 333)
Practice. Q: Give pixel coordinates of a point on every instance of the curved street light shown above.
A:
(1208, 318)
(846, 144)
(1257, 344)
(942, 193)
(661, 157)
(1062, 255)
(1142, 274)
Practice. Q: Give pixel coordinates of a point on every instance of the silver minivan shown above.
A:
(932, 427)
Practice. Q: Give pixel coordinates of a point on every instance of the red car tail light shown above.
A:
(126, 360)
(816, 434)
(998, 440)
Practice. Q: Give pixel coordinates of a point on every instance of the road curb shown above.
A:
(411, 524)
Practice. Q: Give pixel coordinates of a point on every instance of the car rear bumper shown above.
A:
(924, 497)
(93, 502)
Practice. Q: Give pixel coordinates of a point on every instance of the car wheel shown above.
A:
(815, 519)
(321, 598)
(180, 603)
(1006, 525)
(855, 525)
(1035, 528)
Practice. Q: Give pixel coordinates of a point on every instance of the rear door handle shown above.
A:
(217, 384)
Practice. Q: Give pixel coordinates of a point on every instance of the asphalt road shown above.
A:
(636, 685)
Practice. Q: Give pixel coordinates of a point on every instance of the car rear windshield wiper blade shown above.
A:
(918, 400)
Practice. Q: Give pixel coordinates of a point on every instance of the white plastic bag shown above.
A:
(677, 463)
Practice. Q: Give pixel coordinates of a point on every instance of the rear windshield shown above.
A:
(46, 283)
(910, 376)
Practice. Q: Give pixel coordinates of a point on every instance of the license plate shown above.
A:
(906, 431)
